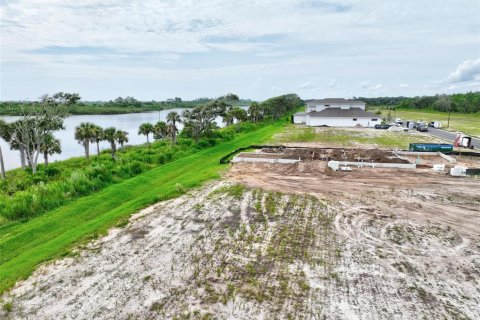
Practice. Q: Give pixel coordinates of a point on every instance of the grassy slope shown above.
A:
(24, 246)
(467, 123)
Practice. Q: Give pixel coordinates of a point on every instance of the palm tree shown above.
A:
(14, 137)
(228, 118)
(145, 129)
(255, 112)
(160, 130)
(50, 147)
(85, 134)
(173, 118)
(5, 135)
(110, 134)
(122, 137)
(97, 137)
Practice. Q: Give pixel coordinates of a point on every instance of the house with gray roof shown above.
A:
(336, 112)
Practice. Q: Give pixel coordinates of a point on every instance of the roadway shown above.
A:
(450, 136)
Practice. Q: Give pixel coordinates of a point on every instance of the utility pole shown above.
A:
(449, 111)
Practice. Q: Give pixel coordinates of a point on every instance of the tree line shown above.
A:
(32, 135)
(122, 104)
(459, 102)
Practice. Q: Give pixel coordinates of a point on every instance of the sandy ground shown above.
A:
(298, 242)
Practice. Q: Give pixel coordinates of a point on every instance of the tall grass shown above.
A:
(24, 195)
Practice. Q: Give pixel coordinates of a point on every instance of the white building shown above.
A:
(336, 113)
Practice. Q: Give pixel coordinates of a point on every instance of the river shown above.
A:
(71, 148)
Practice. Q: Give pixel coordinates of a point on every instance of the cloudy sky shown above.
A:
(158, 49)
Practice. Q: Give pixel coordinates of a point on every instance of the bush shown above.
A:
(180, 188)
(51, 171)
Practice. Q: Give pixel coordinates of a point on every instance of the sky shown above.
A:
(160, 49)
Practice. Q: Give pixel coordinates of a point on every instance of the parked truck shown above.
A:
(463, 141)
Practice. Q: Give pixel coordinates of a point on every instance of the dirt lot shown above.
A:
(417, 194)
(298, 242)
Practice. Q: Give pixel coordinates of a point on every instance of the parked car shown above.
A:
(431, 124)
(399, 121)
(422, 128)
(382, 126)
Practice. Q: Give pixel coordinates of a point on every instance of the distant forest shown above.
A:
(459, 102)
(124, 105)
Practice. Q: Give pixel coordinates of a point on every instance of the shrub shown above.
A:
(51, 171)
(7, 306)
(180, 188)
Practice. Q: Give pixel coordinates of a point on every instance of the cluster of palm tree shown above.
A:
(88, 132)
(162, 129)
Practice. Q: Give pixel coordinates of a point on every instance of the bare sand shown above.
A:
(299, 242)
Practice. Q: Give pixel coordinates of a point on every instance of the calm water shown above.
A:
(71, 147)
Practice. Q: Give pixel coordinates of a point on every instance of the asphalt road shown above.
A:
(450, 136)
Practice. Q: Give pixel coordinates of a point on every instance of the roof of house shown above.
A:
(300, 114)
(334, 101)
(340, 113)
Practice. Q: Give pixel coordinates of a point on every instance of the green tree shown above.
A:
(85, 133)
(145, 129)
(13, 139)
(173, 118)
(67, 99)
(97, 137)
(255, 112)
(50, 146)
(110, 135)
(200, 121)
(122, 137)
(5, 134)
(38, 121)
(160, 130)
(228, 118)
(239, 114)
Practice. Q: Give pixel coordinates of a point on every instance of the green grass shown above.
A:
(24, 195)
(344, 137)
(467, 123)
(23, 246)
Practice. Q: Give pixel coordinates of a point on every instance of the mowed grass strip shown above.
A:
(351, 137)
(24, 246)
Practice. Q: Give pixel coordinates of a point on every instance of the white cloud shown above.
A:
(403, 85)
(474, 84)
(333, 84)
(274, 89)
(366, 85)
(97, 46)
(307, 86)
(467, 71)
